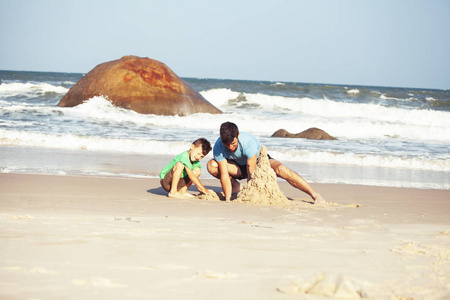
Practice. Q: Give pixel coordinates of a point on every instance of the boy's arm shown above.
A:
(196, 181)
(251, 166)
(225, 179)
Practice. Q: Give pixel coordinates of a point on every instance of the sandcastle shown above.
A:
(262, 188)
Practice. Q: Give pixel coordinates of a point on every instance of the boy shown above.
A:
(184, 170)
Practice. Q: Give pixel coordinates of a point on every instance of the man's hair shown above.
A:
(228, 131)
(206, 146)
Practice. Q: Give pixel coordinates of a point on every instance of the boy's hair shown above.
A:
(228, 131)
(206, 146)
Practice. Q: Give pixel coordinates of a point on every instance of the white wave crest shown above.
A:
(364, 160)
(94, 143)
(333, 110)
(399, 124)
(353, 91)
(101, 108)
(403, 124)
(219, 97)
(160, 147)
(384, 97)
(29, 89)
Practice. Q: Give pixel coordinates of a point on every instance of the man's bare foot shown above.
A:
(180, 195)
(318, 199)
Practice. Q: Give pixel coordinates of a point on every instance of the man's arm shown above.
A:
(251, 166)
(225, 179)
(201, 188)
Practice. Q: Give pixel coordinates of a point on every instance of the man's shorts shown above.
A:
(244, 173)
(166, 183)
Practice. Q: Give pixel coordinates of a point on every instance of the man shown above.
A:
(235, 155)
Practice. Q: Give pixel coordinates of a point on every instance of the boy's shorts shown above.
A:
(166, 183)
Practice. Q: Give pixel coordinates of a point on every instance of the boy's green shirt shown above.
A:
(184, 159)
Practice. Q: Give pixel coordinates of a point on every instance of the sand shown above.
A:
(262, 188)
(69, 237)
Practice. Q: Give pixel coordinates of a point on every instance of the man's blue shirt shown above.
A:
(248, 146)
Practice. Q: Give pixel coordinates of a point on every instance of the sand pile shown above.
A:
(262, 188)
(326, 286)
(214, 196)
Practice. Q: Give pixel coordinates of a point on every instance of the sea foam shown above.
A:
(351, 120)
(91, 143)
(29, 89)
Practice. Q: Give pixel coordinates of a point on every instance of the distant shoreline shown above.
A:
(81, 74)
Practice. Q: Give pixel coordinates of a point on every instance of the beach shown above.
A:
(348, 101)
(83, 215)
(93, 237)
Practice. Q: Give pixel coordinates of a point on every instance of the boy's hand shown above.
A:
(207, 192)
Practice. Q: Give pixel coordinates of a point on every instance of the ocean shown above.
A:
(387, 136)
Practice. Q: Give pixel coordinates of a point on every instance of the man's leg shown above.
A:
(233, 170)
(294, 179)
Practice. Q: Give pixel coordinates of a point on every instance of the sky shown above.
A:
(396, 43)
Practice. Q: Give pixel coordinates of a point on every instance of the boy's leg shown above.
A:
(174, 184)
(294, 179)
(177, 171)
(197, 172)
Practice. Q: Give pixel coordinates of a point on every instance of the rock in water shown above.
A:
(310, 133)
(262, 188)
(141, 84)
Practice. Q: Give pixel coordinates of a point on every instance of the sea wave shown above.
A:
(29, 89)
(100, 108)
(224, 98)
(161, 147)
(99, 111)
(353, 120)
(353, 91)
(363, 160)
(91, 143)
(384, 134)
(316, 112)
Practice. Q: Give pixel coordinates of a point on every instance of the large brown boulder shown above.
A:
(144, 85)
(311, 133)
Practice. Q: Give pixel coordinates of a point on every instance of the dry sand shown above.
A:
(68, 237)
(262, 188)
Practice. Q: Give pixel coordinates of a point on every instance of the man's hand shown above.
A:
(207, 191)
(251, 166)
(225, 179)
